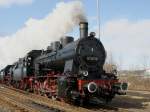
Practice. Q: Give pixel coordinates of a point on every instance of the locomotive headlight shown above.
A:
(92, 87)
(84, 73)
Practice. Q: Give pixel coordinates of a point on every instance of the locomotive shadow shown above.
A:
(100, 106)
(132, 101)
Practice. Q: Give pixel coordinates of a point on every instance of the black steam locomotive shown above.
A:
(67, 70)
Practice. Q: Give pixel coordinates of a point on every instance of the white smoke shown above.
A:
(37, 34)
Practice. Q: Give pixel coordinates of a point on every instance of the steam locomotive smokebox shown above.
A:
(83, 29)
(66, 40)
(55, 45)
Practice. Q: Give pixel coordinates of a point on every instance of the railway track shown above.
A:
(40, 101)
(28, 102)
(15, 103)
(106, 108)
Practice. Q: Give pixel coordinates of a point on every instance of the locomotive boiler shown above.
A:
(68, 70)
(84, 56)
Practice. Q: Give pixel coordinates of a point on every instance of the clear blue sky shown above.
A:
(14, 16)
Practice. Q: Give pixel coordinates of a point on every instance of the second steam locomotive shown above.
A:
(68, 70)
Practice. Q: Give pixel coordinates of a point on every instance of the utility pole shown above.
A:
(98, 17)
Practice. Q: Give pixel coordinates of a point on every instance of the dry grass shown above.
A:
(136, 82)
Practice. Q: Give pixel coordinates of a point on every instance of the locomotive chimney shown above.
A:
(83, 29)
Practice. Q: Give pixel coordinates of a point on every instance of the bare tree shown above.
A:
(120, 62)
(110, 63)
(110, 59)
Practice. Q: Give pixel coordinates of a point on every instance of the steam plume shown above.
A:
(37, 34)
